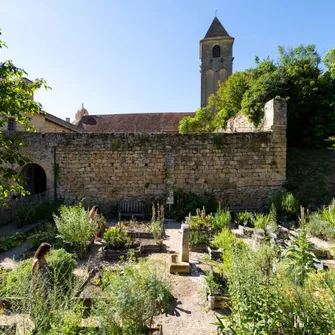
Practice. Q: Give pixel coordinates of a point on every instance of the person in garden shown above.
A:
(94, 213)
(40, 265)
(99, 220)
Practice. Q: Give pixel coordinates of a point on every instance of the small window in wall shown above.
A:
(216, 52)
(11, 124)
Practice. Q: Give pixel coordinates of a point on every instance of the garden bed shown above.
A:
(218, 301)
(198, 248)
(139, 234)
(114, 255)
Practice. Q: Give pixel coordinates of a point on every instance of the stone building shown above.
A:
(136, 123)
(43, 123)
(216, 55)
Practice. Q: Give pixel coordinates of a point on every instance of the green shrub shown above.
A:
(36, 212)
(17, 283)
(212, 283)
(116, 237)
(133, 297)
(229, 244)
(266, 301)
(321, 228)
(157, 230)
(200, 220)
(221, 219)
(60, 265)
(322, 223)
(185, 203)
(328, 214)
(286, 203)
(300, 257)
(74, 226)
(273, 219)
(241, 217)
(197, 238)
(260, 220)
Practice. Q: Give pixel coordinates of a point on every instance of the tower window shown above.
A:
(216, 52)
(11, 124)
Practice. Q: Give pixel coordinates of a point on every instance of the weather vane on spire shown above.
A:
(216, 12)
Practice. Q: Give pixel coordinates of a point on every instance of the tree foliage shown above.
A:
(297, 76)
(16, 102)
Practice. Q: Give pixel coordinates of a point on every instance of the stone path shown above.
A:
(10, 258)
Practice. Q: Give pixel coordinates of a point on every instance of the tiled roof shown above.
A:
(65, 124)
(133, 123)
(216, 29)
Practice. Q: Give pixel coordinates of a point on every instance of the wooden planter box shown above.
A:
(214, 254)
(151, 248)
(219, 301)
(140, 234)
(114, 255)
(198, 248)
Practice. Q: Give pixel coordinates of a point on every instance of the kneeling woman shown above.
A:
(40, 266)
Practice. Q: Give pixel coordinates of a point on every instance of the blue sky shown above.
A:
(129, 56)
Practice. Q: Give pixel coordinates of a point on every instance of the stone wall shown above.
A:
(243, 169)
(239, 124)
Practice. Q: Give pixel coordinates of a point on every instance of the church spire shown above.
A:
(216, 30)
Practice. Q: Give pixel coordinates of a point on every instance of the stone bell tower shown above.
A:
(216, 55)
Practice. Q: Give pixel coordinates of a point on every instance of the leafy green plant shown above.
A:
(186, 203)
(197, 238)
(320, 228)
(8, 242)
(273, 219)
(141, 287)
(241, 218)
(229, 244)
(116, 237)
(156, 229)
(221, 219)
(200, 220)
(286, 203)
(260, 220)
(300, 258)
(322, 223)
(17, 105)
(74, 226)
(266, 301)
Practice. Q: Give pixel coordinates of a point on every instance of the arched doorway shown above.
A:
(34, 179)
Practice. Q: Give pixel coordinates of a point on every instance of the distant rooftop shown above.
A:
(140, 123)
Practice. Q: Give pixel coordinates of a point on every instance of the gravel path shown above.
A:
(191, 315)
